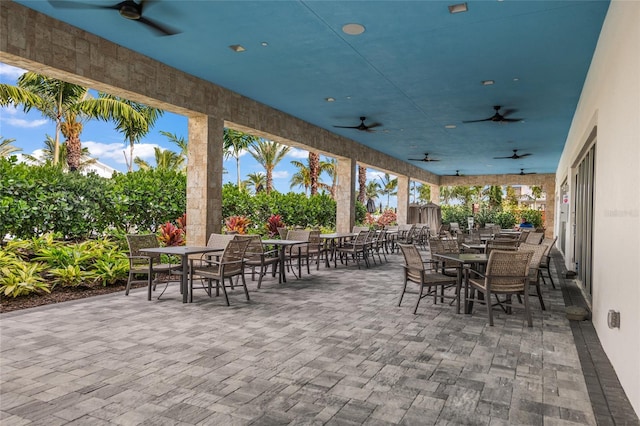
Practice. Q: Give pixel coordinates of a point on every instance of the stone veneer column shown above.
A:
(345, 194)
(204, 178)
(403, 199)
(549, 187)
(435, 194)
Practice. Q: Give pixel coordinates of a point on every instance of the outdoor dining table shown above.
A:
(464, 259)
(183, 252)
(282, 247)
(472, 246)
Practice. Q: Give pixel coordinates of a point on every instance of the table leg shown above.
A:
(283, 277)
(184, 280)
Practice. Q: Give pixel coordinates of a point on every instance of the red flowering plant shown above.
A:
(237, 224)
(171, 235)
(182, 222)
(273, 223)
(388, 217)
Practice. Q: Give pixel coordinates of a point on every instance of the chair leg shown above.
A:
(527, 311)
(262, 274)
(415, 310)
(404, 288)
(244, 284)
(149, 285)
(489, 308)
(126, 292)
(224, 290)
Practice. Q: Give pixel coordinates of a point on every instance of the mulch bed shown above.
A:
(58, 295)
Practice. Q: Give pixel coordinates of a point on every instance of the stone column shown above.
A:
(204, 178)
(549, 187)
(435, 194)
(403, 199)
(345, 194)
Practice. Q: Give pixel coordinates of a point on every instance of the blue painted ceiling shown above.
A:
(416, 68)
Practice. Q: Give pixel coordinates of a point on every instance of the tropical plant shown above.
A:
(268, 154)
(181, 143)
(236, 142)
(494, 195)
(69, 105)
(132, 128)
(165, 160)
(237, 224)
(301, 178)
(273, 223)
(532, 216)
(330, 167)
(536, 194)
(7, 148)
(170, 235)
(389, 186)
(424, 193)
(47, 153)
(257, 181)
(22, 278)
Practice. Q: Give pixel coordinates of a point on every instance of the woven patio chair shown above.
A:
(508, 245)
(534, 267)
(534, 237)
(356, 248)
(378, 244)
(148, 264)
(227, 266)
(429, 281)
(282, 232)
(444, 246)
(255, 256)
(507, 273)
(318, 249)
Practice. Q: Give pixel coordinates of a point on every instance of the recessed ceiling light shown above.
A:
(264, 44)
(353, 29)
(516, 79)
(450, 126)
(487, 82)
(457, 8)
(237, 48)
(348, 97)
(330, 99)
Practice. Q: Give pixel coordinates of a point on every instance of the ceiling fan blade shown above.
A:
(509, 112)
(524, 155)
(512, 120)
(75, 5)
(416, 159)
(503, 158)
(347, 127)
(478, 121)
(371, 126)
(162, 29)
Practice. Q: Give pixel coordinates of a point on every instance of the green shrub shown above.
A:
(457, 214)
(22, 278)
(533, 216)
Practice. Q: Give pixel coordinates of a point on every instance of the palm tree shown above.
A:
(362, 183)
(389, 186)
(68, 105)
(132, 129)
(257, 181)
(7, 148)
(536, 194)
(180, 142)
(268, 154)
(314, 171)
(302, 178)
(372, 191)
(235, 142)
(165, 160)
(446, 194)
(424, 193)
(494, 195)
(330, 167)
(46, 156)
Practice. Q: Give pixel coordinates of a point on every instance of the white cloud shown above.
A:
(283, 174)
(374, 175)
(17, 118)
(114, 151)
(298, 153)
(10, 72)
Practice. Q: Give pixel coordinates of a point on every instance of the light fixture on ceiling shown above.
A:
(487, 82)
(330, 99)
(458, 8)
(237, 48)
(353, 29)
(264, 44)
(450, 126)
(516, 79)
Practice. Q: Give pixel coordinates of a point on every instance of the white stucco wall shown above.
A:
(610, 100)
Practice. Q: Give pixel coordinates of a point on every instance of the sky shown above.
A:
(30, 130)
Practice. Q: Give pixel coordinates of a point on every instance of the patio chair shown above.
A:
(534, 267)
(318, 249)
(229, 265)
(282, 232)
(507, 273)
(148, 264)
(256, 256)
(429, 282)
(508, 245)
(355, 248)
(378, 243)
(443, 246)
(299, 252)
(219, 240)
(544, 264)
(534, 237)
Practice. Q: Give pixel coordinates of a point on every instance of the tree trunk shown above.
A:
(74, 152)
(314, 165)
(269, 180)
(362, 183)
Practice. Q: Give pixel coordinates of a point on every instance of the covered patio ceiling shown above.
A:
(417, 69)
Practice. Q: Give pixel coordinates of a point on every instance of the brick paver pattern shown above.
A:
(331, 348)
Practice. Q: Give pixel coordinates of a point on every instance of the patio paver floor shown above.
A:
(332, 348)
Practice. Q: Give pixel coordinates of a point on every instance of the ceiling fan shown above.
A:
(497, 117)
(522, 173)
(426, 158)
(128, 9)
(362, 127)
(457, 173)
(514, 156)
